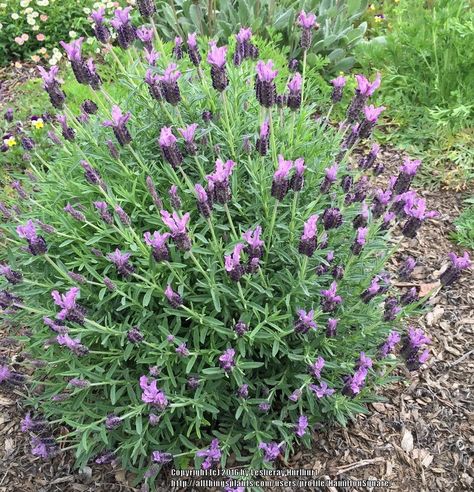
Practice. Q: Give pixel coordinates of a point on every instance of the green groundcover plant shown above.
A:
(197, 269)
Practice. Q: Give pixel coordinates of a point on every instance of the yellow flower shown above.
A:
(10, 142)
(38, 124)
(372, 7)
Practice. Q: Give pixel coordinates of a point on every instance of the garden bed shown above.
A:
(419, 439)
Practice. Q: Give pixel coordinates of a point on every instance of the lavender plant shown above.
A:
(210, 278)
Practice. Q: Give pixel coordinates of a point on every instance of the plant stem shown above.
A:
(227, 121)
(270, 231)
(229, 218)
(303, 77)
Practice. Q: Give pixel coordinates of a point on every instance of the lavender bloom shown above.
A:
(54, 138)
(161, 458)
(417, 214)
(30, 424)
(154, 195)
(173, 297)
(244, 47)
(79, 383)
(118, 123)
(178, 48)
(178, 229)
(295, 396)
(204, 205)
(70, 311)
(316, 367)
(330, 178)
(264, 407)
(10, 275)
(169, 148)
(112, 422)
(243, 391)
(91, 175)
(158, 244)
(217, 59)
(10, 378)
(338, 272)
(407, 268)
(169, 84)
(264, 138)
(151, 56)
(332, 327)
(16, 185)
(134, 335)
(363, 91)
(305, 321)
(350, 140)
(346, 183)
(308, 240)
(193, 382)
(93, 78)
(154, 420)
(297, 180)
(293, 65)
(453, 272)
(380, 202)
(360, 240)
(331, 300)
(146, 7)
(79, 67)
(182, 350)
(307, 22)
(89, 107)
(212, 455)
(294, 96)
(66, 131)
(45, 227)
(371, 291)
(56, 325)
(409, 297)
(109, 284)
(101, 31)
(104, 213)
(207, 116)
(44, 447)
(8, 115)
(153, 82)
(5, 211)
(364, 361)
(74, 345)
(226, 360)
(332, 218)
(389, 344)
(125, 31)
(353, 384)
(280, 183)
(241, 328)
(36, 244)
(322, 390)
(391, 309)
(51, 86)
(218, 186)
(152, 394)
(338, 85)
(406, 175)
(265, 88)
(232, 263)
(412, 343)
(193, 50)
(188, 135)
(369, 159)
(145, 35)
(27, 143)
(121, 261)
(174, 197)
(254, 246)
(80, 279)
(271, 450)
(371, 115)
(8, 300)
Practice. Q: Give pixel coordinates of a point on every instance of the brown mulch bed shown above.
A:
(421, 438)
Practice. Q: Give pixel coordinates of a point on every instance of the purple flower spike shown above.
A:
(66, 131)
(118, 122)
(281, 183)
(51, 86)
(212, 455)
(305, 321)
(330, 178)
(244, 47)
(121, 261)
(331, 300)
(232, 263)
(301, 426)
(307, 22)
(364, 361)
(453, 272)
(360, 240)
(104, 213)
(73, 49)
(354, 384)
(332, 218)
(369, 160)
(193, 50)
(74, 345)
(332, 327)
(173, 297)
(126, 33)
(161, 458)
(70, 310)
(152, 394)
(264, 138)
(112, 422)
(218, 186)
(169, 147)
(188, 134)
(217, 59)
(294, 97)
(182, 350)
(363, 91)
(265, 88)
(271, 450)
(169, 84)
(338, 85)
(389, 344)
(146, 7)
(226, 360)
(243, 391)
(412, 344)
(151, 56)
(371, 115)
(178, 228)
(417, 213)
(371, 291)
(391, 309)
(101, 31)
(297, 180)
(10, 275)
(405, 177)
(36, 244)
(366, 88)
(308, 240)
(407, 268)
(322, 390)
(254, 246)
(316, 367)
(44, 447)
(204, 205)
(145, 35)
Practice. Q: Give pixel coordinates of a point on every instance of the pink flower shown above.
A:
(265, 71)
(339, 81)
(118, 118)
(217, 56)
(372, 113)
(309, 228)
(167, 139)
(306, 21)
(295, 83)
(40, 37)
(43, 17)
(365, 87)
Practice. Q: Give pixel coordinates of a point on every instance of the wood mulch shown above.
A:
(421, 438)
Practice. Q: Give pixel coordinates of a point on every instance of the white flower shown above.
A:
(28, 10)
(3, 5)
(1, 26)
(90, 40)
(72, 34)
(30, 21)
(35, 28)
(24, 3)
(42, 3)
(34, 14)
(86, 10)
(15, 16)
